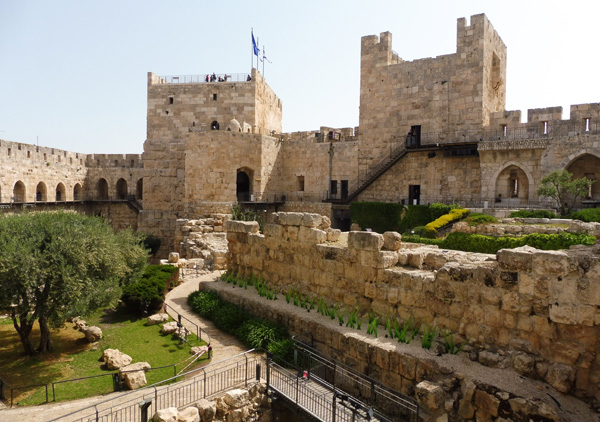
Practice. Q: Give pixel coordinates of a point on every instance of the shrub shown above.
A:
(152, 243)
(415, 216)
(378, 216)
(423, 231)
(444, 220)
(589, 215)
(437, 209)
(253, 332)
(147, 294)
(532, 214)
(475, 219)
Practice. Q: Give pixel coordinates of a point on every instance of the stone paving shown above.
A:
(223, 345)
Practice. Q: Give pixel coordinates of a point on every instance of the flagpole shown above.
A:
(263, 61)
(257, 54)
(252, 51)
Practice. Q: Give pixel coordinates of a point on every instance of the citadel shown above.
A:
(430, 130)
(433, 129)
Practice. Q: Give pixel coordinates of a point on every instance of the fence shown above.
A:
(205, 78)
(180, 317)
(217, 377)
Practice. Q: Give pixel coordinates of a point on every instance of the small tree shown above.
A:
(56, 265)
(560, 186)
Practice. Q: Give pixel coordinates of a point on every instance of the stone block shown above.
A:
(166, 415)
(115, 359)
(92, 334)
(560, 377)
(189, 414)
(237, 398)
(553, 263)
(157, 319)
(517, 259)
(134, 375)
(311, 236)
(173, 257)
(311, 220)
(430, 396)
(486, 404)
(392, 241)
(273, 230)
(365, 240)
(333, 235)
(241, 227)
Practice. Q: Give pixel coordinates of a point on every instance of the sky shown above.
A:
(73, 73)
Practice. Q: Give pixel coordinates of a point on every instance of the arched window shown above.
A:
(40, 192)
(19, 192)
(244, 185)
(60, 192)
(102, 190)
(77, 192)
(121, 189)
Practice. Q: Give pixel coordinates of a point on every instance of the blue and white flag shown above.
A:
(256, 50)
(264, 56)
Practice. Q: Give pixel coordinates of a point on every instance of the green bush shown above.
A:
(377, 216)
(532, 214)
(437, 209)
(489, 244)
(475, 219)
(415, 216)
(253, 332)
(147, 294)
(422, 231)
(589, 215)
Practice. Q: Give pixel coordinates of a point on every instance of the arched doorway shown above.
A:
(19, 192)
(243, 186)
(139, 189)
(512, 185)
(588, 166)
(77, 192)
(40, 192)
(121, 189)
(214, 125)
(60, 192)
(102, 189)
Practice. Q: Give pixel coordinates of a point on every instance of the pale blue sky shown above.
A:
(73, 73)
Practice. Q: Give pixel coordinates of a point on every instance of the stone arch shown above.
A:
(77, 192)
(60, 193)
(19, 192)
(121, 189)
(41, 192)
(587, 165)
(139, 189)
(243, 183)
(513, 182)
(102, 189)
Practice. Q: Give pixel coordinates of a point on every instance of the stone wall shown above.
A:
(440, 178)
(540, 310)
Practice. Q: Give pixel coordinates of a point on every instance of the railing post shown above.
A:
(204, 373)
(269, 355)
(333, 407)
(53, 393)
(1, 389)
(155, 398)
(246, 372)
(297, 388)
(46, 392)
(97, 415)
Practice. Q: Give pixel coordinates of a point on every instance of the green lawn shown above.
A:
(73, 357)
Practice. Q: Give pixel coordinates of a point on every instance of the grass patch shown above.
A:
(74, 357)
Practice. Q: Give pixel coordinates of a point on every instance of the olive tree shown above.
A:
(57, 265)
(560, 186)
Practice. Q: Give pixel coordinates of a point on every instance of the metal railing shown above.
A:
(277, 197)
(217, 377)
(205, 78)
(181, 317)
(361, 392)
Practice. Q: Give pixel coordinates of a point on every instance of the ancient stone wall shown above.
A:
(440, 179)
(175, 109)
(442, 95)
(537, 311)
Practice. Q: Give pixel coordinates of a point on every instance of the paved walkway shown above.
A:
(223, 345)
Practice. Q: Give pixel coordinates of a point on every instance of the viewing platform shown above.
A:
(204, 78)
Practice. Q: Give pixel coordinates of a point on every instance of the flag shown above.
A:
(264, 56)
(256, 50)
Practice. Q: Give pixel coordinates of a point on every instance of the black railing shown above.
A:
(181, 317)
(207, 77)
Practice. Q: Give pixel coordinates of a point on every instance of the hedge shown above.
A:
(253, 332)
(147, 294)
(532, 214)
(490, 244)
(378, 216)
(590, 215)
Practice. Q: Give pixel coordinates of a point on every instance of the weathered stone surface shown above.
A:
(524, 364)
(157, 319)
(114, 359)
(392, 241)
(368, 241)
(560, 377)
(241, 226)
(92, 334)
(169, 327)
(486, 404)
(429, 395)
(207, 409)
(134, 375)
(173, 257)
(189, 414)
(237, 398)
(166, 415)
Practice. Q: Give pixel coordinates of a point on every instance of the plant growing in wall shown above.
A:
(449, 345)
(428, 336)
(373, 323)
(352, 318)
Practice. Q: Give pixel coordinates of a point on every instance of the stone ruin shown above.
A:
(535, 312)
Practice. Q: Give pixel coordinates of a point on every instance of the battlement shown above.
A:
(114, 160)
(40, 155)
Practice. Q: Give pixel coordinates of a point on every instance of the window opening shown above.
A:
(545, 127)
(170, 100)
(300, 180)
(333, 188)
(214, 97)
(504, 130)
(587, 124)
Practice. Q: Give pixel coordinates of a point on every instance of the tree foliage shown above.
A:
(560, 186)
(57, 265)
